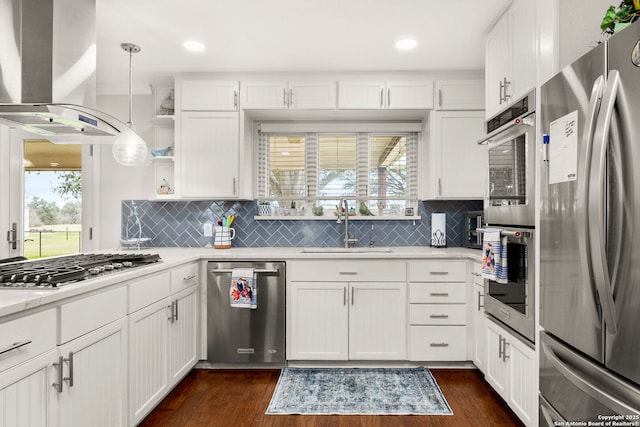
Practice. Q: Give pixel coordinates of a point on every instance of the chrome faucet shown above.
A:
(349, 242)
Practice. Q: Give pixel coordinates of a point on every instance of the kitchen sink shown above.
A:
(365, 250)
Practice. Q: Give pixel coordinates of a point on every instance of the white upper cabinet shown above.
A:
(208, 95)
(378, 95)
(300, 95)
(455, 165)
(459, 95)
(510, 56)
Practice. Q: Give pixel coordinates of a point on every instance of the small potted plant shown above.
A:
(264, 208)
(293, 211)
(616, 19)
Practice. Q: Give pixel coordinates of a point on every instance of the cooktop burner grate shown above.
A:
(51, 273)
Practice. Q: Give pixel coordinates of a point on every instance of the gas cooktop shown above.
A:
(52, 273)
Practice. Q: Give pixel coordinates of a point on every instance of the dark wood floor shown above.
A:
(240, 397)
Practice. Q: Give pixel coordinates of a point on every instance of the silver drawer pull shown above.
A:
(477, 274)
(257, 270)
(349, 273)
(15, 346)
(439, 344)
(438, 273)
(189, 277)
(439, 294)
(439, 316)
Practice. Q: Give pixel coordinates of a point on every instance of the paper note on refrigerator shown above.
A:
(563, 149)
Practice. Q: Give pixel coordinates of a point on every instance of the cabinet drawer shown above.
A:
(438, 314)
(87, 314)
(148, 290)
(477, 274)
(438, 343)
(438, 271)
(38, 328)
(184, 277)
(347, 271)
(446, 293)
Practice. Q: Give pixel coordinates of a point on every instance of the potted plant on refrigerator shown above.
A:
(618, 18)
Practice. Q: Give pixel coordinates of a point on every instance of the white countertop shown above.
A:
(14, 301)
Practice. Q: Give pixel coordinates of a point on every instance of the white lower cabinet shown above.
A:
(93, 391)
(512, 371)
(26, 395)
(162, 336)
(359, 318)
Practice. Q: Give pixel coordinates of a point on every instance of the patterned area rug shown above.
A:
(358, 391)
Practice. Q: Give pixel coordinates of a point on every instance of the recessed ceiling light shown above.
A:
(406, 44)
(194, 46)
(285, 153)
(54, 164)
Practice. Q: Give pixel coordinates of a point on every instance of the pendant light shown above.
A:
(129, 149)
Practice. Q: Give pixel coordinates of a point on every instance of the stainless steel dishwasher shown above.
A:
(243, 335)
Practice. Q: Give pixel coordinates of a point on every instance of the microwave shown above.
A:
(510, 193)
(473, 221)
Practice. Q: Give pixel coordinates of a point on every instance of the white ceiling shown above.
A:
(289, 35)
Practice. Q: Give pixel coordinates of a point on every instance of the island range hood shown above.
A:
(48, 71)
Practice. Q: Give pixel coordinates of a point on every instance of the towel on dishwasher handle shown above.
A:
(494, 255)
(243, 292)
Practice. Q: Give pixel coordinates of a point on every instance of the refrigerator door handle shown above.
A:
(597, 222)
(583, 187)
(549, 414)
(574, 376)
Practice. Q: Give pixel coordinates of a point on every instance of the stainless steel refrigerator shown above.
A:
(590, 237)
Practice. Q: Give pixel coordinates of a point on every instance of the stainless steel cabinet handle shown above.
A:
(501, 98)
(505, 356)
(290, 98)
(480, 305)
(438, 273)
(381, 97)
(500, 347)
(440, 98)
(175, 312)
(15, 346)
(439, 344)
(439, 187)
(171, 315)
(59, 365)
(234, 187)
(344, 296)
(438, 316)
(389, 98)
(439, 294)
(352, 295)
(506, 84)
(70, 361)
(477, 274)
(235, 99)
(189, 277)
(257, 270)
(284, 96)
(349, 273)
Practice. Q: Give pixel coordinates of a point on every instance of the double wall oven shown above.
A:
(509, 205)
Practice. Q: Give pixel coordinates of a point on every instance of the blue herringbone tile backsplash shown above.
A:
(180, 224)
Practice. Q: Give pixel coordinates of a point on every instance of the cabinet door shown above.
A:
(479, 329)
(183, 334)
(147, 359)
(319, 95)
(496, 373)
(497, 60)
(209, 152)
(410, 95)
(523, 381)
(378, 321)
(99, 375)
(361, 95)
(26, 395)
(459, 164)
(522, 30)
(209, 95)
(265, 95)
(318, 318)
(459, 95)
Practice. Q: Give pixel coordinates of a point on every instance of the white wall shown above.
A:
(119, 182)
(579, 27)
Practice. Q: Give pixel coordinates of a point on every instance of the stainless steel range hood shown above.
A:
(48, 71)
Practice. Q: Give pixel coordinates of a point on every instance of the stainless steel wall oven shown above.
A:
(513, 303)
(510, 196)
